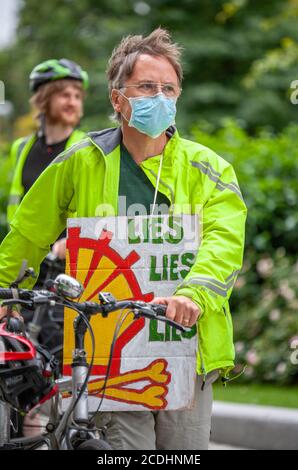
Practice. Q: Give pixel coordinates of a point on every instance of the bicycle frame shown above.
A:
(71, 430)
(80, 367)
(58, 436)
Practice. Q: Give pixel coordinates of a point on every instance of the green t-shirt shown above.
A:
(137, 188)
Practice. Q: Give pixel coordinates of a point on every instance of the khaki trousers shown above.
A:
(172, 430)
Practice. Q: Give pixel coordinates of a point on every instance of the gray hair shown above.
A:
(125, 55)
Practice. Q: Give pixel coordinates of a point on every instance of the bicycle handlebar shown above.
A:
(6, 293)
(33, 298)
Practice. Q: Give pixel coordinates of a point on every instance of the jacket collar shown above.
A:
(108, 139)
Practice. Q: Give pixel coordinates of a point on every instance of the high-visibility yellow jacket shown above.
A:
(84, 179)
(19, 152)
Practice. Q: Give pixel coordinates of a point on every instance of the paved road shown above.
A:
(216, 446)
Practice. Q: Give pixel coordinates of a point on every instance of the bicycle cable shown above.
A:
(119, 324)
(85, 383)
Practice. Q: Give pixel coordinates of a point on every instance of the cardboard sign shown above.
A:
(153, 365)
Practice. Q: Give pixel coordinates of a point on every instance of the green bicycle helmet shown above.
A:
(54, 69)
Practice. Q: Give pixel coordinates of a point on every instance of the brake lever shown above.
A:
(159, 309)
(172, 323)
(150, 315)
(27, 303)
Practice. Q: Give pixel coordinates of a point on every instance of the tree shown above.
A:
(234, 56)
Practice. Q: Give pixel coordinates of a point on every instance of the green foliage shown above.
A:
(266, 331)
(265, 298)
(240, 56)
(257, 394)
(240, 59)
(267, 169)
(4, 189)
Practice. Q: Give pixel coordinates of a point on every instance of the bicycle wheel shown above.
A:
(94, 444)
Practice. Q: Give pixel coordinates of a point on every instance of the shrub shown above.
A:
(4, 189)
(264, 301)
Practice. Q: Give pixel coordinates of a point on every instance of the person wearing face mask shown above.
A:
(145, 161)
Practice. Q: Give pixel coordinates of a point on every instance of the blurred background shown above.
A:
(240, 61)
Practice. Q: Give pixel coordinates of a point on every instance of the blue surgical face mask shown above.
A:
(152, 115)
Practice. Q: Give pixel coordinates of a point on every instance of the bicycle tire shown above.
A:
(94, 444)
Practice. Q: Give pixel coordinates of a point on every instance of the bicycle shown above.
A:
(45, 326)
(75, 428)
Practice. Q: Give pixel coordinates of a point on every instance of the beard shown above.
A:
(64, 118)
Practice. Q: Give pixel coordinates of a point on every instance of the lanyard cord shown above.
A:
(157, 184)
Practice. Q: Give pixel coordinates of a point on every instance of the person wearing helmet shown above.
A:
(58, 90)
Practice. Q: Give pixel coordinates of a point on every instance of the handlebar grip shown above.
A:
(159, 309)
(6, 294)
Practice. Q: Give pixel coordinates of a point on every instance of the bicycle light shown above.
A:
(67, 286)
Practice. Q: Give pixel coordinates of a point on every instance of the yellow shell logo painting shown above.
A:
(99, 267)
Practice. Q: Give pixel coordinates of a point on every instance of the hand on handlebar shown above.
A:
(181, 309)
(180, 312)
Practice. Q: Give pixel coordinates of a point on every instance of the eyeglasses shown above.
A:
(151, 89)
